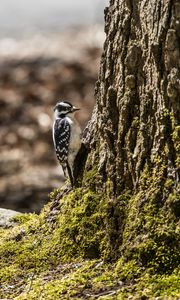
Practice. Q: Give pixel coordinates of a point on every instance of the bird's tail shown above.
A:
(64, 167)
(70, 174)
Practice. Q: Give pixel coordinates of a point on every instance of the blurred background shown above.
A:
(49, 50)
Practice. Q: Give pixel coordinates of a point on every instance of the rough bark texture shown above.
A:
(138, 90)
(133, 134)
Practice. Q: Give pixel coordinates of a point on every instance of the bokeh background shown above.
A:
(49, 50)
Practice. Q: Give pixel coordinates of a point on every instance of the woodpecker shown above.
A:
(66, 136)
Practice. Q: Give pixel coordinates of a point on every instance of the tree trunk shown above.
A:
(132, 138)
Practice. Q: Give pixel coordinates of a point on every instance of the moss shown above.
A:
(135, 122)
(54, 194)
(91, 178)
(173, 202)
(80, 229)
(151, 240)
(89, 243)
(39, 243)
(151, 233)
(127, 271)
(97, 280)
(176, 139)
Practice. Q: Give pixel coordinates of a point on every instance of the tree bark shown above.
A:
(132, 138)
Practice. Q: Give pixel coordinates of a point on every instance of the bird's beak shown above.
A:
(74, 109)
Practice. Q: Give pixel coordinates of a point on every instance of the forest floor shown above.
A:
(47, 256)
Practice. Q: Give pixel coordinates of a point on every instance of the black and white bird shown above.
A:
(66, 136)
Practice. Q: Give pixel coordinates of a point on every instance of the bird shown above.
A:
(66, 136)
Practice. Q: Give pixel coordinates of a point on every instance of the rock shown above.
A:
(6, 216)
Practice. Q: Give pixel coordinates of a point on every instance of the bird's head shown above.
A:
(64, 108)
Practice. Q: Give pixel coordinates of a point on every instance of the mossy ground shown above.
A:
(63, 252)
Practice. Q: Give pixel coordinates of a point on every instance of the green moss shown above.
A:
(150, 238)
(39, 243)
(79, 229)
(176, 139)
(91, 178)
(23, 218)
(90, 243)
(127, 271)
(173, 202)
(151, 233)
(54, 194)
(97, 280)
(135, 122)
(166, 285)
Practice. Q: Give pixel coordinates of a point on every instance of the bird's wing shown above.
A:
(61, 139)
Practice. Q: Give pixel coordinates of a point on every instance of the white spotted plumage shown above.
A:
(66, 136)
